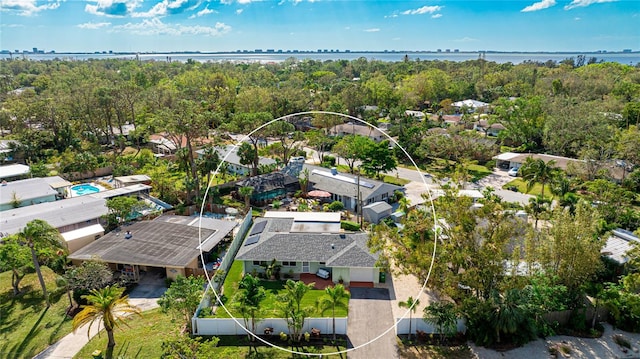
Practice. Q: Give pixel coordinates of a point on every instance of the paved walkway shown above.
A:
(145, 296)
(369, 317)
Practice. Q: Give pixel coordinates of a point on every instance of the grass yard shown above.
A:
(27, 327)
(142, 339)
(478, 172)
(269, 304)
(535, 191)
(395, 180)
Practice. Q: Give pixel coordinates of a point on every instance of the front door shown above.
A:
(305, 267)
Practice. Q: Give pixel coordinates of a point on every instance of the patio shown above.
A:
(321, 284)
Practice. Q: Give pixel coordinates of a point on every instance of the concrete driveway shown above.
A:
(370, 315)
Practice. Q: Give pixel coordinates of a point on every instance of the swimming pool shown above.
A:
(82, 189)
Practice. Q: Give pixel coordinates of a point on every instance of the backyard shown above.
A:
(269, 304)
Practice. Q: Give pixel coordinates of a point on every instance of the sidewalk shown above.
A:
(144, 296)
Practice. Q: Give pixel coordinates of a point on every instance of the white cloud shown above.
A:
(28, 7)
(423, 10)
(436, 16)
(203, 12)
(93, 25)
(372, 30)
(156, 27)
(539, 5)
(239, 11)
(577, 18)
(466, 39)
(112, 8)
(347, 27)
(169, 7)
(391, 16)
(584, 3)
(12, 25)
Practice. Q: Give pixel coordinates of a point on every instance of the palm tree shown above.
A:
(538, 171)
(106, 304)
(412, 304)
(249, 298)
(537, 206)
(272, 270)
(39, 236)
(291, 300)
(246, 192)
(333, 298)
(507, 314)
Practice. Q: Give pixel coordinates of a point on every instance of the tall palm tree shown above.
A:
(538, 171)
(109, 306)
(249, 299)
(246, 192)
(304, 181)
(412, 304)
(39, 236)
(334, 297)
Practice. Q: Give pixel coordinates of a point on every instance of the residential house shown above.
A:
(168, 245)
(471, 106)
(229, 154)
(352, 128)
(303, 242)
(619, 244)
(418, 115)
(269, 186)
(344, 187)
(124, 181)
(13, 172)
(509, 160)
(79, 219)
(6, 150)
(490, 129)
(25, 192)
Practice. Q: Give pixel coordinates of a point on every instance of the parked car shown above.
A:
(513, 172)
(323, 273)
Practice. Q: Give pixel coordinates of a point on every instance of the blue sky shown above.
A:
(229, 25)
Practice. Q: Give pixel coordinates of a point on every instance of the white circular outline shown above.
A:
(433, 255)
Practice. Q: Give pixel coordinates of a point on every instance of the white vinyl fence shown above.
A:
(216, 326)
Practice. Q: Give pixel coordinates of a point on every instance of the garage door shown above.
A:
(361, 275)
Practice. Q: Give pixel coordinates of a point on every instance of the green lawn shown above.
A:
(27, 327)
(478, 172)
(536, 190)
(269, 305)
(395, 180)
(142, 339)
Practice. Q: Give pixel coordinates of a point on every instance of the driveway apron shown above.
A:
(370, 315)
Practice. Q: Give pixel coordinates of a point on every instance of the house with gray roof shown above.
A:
(229, 154)
(169, 244)
(344, 187)
(305, 242)
(25, 192)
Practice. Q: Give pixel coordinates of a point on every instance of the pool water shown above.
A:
(82, 189)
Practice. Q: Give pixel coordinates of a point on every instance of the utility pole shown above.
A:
(359, 199)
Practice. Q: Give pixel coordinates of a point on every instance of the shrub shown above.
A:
(349, 226)
(336, 206)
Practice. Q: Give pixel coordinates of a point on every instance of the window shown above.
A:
(288, 264)
(322, 263)
(256, 263)
(384, 196)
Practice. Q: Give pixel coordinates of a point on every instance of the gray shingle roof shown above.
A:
(344, 250)
(338, 187)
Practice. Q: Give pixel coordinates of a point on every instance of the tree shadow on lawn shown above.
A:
(35, 329)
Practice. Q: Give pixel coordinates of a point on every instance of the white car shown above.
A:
(513, 172)
(323, 273)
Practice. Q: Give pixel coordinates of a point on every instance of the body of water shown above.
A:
(627, 58)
